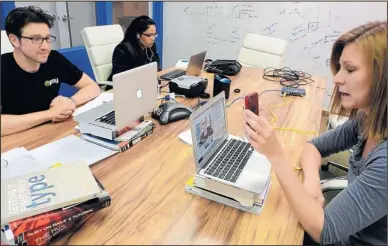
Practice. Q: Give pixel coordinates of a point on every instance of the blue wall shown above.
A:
(157, 16)
(79, 57)
(5, 8)
(104, 13)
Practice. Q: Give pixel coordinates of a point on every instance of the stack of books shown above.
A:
(248, 201)
(125, 140)
(39, 207)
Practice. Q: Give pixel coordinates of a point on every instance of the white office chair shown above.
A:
(100, 42)
(334, 121)
(337, 183)
(262, 51)
(6, 45)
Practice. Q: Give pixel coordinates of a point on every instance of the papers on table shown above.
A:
(18, 162)
(71, 149)
(186, 137)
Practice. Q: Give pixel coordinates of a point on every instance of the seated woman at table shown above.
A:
(358, 214)
(137, 48)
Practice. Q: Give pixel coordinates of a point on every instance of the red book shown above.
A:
(44, 228)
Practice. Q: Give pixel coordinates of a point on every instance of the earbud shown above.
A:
(146, 49)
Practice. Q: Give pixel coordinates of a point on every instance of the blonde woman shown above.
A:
(358, 214)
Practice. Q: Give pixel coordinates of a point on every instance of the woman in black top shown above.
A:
(137, 48)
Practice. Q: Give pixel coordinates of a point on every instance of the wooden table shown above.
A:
(146, 182)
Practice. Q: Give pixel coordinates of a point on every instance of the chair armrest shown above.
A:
(105, 83)
(325, 167)
(339, 183)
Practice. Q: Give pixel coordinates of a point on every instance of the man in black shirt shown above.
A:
(32, 74)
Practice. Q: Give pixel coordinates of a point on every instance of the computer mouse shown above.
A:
(169, 112)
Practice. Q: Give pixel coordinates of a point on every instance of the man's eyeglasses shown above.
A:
(150, 35)
(39, 40)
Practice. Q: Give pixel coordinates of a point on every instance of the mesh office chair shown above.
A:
(100, 42)
(262, 51)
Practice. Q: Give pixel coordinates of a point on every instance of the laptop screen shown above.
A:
(209, 130)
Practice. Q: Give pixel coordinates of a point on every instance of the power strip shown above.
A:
(287, 91)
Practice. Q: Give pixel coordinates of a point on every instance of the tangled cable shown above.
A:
(288, 77)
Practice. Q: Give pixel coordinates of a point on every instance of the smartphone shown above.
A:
(252, 102)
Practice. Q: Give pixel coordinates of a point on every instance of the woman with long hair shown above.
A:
(138, 47)
(358, 214)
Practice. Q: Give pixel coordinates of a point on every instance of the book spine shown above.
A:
(45, 227)
(99, 142)
(128, 144)
(45, 237)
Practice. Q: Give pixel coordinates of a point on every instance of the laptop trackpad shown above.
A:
(255, 174)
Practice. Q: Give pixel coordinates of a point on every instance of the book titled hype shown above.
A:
(46, 190)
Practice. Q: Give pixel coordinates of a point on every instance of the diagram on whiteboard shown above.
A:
(225, 25)
(220, 28)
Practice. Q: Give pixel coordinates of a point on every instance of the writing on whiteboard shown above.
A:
(308, 29)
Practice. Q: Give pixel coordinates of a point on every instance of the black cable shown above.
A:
(199, 104)
(288, 77)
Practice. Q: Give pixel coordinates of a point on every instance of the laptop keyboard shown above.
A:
(108, 118)
(173, 74)
(231, 161)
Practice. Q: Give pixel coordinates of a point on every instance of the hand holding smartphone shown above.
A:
(252, 102)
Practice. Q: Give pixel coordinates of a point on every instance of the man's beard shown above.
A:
(33, 59)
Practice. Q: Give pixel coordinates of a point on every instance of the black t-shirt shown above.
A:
(23, 92)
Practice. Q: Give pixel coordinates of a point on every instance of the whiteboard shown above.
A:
(310, 28)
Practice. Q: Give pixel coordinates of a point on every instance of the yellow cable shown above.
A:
(275, 119)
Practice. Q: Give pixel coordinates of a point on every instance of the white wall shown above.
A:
(310, 29)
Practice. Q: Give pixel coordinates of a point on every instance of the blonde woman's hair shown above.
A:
(372, 39)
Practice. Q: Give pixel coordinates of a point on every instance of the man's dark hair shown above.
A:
(19, 17)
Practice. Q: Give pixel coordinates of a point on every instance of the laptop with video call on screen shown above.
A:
(222, 157)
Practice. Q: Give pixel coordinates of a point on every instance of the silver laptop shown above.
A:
(135, 94)
(221, 156)
(194, 67)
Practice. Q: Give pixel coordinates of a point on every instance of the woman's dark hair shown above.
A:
(137, 26)
(19, 17)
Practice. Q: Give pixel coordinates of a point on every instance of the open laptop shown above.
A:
(221, 156)
(135, 94)
(194, 68)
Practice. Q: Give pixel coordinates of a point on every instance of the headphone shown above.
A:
(146, 49)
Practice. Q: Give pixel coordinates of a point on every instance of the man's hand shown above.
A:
(314, 188)
(61, 108)
(65, 100)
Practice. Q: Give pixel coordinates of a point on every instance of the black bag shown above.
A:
(224, 67)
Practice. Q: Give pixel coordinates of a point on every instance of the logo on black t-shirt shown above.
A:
(48, 83)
